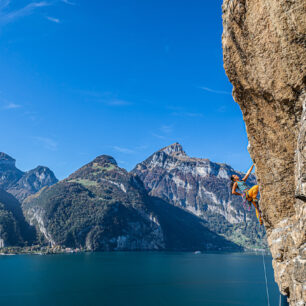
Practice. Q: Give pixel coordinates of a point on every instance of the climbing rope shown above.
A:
(267, 289)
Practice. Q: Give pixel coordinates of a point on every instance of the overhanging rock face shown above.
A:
(264, 46)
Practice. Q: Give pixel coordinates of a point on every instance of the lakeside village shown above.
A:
(39, 250)
(50, 250)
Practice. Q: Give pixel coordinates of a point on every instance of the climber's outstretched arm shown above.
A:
(234, 189)
(248, 173)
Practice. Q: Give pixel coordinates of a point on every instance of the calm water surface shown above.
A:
(145, 279)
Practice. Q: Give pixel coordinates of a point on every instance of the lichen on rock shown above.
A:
(264, 47)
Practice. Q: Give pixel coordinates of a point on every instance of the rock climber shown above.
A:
(247, 193)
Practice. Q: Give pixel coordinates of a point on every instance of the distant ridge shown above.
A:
(201, 187)
(22, 184)
(170, 201)
(102, 207)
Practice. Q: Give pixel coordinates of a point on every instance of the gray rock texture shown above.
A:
(22, 184)
(102, 207)
(203, 188)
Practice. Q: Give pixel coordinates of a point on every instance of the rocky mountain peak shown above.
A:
(105, 159)
(32, 181)
(7, 160)
(22, 184)
(202, 188)
(39, 177)
(174, 149)
(41, 169)
(97, 170)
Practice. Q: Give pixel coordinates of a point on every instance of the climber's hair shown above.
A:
(232, 182)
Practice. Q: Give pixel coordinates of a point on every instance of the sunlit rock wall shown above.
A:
(264, 58)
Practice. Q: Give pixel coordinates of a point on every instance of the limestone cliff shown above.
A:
(264, 58)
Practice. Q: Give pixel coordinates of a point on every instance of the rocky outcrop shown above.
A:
(103, 207)
(6, 160)
(22, 184)
(264, 58)
(9, 174)
(32, 181)
(203, 188)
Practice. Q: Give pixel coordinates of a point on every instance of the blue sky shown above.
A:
(83, 78)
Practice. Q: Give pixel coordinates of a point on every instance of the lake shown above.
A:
(136, 278)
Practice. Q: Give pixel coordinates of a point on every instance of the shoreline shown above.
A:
(11, 251)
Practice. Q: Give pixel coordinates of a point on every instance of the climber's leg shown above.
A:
(258, 214)
(253, 192)
(252, 195)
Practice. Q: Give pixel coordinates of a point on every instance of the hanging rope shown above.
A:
(267, 289)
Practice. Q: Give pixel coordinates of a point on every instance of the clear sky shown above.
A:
(125, 78)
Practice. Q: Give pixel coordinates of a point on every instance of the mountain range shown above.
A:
(168, 202)
(202, 188)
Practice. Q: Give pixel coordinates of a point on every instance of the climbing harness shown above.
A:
(267, 289)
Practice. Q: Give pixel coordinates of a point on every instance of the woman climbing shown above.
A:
(248, 194)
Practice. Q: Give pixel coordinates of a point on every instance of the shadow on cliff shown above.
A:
(186, 232)
(15, 229)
